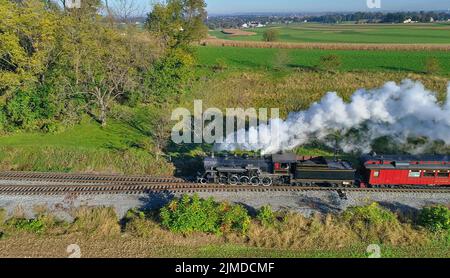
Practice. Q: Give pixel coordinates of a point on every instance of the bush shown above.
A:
(234, 218)
(29, 225)
(266, 216)
(330, 62)
(371, 214)
(29, 109)
(169, 76)
(432, 66)
(220, 65)
(435, 218)
(187, 215)
(270, 35)
(375, 224)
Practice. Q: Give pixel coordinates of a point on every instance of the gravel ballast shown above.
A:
(307, 202)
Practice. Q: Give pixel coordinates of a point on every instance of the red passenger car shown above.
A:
(398, 170)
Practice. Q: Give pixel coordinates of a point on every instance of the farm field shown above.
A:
(352, 33)
(352, 60)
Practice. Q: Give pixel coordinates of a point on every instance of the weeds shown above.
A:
(99, 221)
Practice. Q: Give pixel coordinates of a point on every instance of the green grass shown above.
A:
(236, 251)
(352, 60)
(353, 33)
(87, 135)
(86, 147)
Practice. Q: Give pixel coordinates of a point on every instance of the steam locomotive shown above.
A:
(293, 170)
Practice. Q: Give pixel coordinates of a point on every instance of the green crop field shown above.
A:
(270, 58)
(352, 33)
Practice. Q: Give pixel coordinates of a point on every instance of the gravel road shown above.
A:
(303, 202)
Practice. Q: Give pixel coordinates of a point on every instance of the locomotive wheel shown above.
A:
(203, 181)
(245, 180)
(223, 180)
(255, 181)
(234, 180)
(266, 181)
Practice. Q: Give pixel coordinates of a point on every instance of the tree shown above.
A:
(270, 35)
(95, 62)
(178, 23)
(125, 10)
(27, 37)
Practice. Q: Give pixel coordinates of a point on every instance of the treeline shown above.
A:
(218, 22)
(398, 17)
(58, 65)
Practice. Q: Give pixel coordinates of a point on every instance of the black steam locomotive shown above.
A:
(277, 169)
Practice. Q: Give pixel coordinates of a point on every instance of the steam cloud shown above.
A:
(401, 111)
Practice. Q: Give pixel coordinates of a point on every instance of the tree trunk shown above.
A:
(102, 117)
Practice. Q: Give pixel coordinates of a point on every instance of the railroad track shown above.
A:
(92, 184)
(86, 178)
(64, 189)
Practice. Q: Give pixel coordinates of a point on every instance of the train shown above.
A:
(289, 169)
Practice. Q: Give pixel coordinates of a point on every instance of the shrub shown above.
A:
(29, 225)
(169, 76)
(220, 65)
(436, 218)
(31, 109)
(187, 215)
(371, 214)
(330, 62)
(266, 216)
(375, 224)
(270, 35)
(432, 66)
(235, 218)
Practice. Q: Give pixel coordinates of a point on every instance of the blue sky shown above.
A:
(236, 6)
(249, 6)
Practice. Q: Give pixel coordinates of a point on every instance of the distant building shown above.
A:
(253, 25)
(409, 20)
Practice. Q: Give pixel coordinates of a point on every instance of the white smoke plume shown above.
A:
(401, 111)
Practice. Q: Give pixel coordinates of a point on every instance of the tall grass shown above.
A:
(326, 46)
(71, 159)
(97, 222)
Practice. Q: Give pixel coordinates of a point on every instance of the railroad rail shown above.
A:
(64, 189)
(93, 184)
(86, 178)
